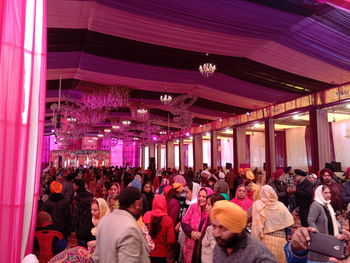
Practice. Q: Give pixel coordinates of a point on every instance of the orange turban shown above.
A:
(56, 187)
(177, 187)
(229, 215)
(249, 175)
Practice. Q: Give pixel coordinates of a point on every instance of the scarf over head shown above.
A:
(180, 179)
(320, 199)
(246, 202)
(269, 215)
(195, 190)
(104, 210)
(159, 208)
(229, 215)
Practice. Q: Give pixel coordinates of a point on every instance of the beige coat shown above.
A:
(208, 244)
(119, 239)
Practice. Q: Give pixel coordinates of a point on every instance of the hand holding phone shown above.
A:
(326, 245)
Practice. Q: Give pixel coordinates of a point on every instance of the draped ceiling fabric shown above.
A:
(265, 51)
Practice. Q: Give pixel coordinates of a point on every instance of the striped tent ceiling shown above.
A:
(266, 52)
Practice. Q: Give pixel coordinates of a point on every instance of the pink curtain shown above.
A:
(22, 109)
(281, 149)
(45, 156)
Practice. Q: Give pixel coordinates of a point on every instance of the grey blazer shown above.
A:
(119, 240)
(317, 219)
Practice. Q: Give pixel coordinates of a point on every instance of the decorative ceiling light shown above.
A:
(166, 99)
(296, 117)
(348, 106)
(95, 138)
(115, 127)
(71, 119)
(126, 122)
(162, 132)
(104, 97)
(100, 135)
(142, 111)
(107, 130)
(135, 139)
(207, 69)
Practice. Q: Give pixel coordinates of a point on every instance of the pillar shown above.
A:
(159, 156)
(152, 156)
(239, 147)
(198, 152)
(142, 156)
(182, 154)
(214, 149)
(170, 155)
(270, 148)
(320, 141)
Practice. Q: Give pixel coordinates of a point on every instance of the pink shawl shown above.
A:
(245, 203)
(193, 218)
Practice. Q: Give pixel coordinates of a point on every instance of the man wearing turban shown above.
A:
(234, 244)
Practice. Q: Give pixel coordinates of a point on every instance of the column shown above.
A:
(198, 152)
(159, 156)
(152, 156)
(182, 154)
(170, 155)
(239, 146)
(320, 141)
(270, 148)
(142, 156)
(214, 149)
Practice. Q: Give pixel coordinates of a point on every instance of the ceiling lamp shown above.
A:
(71, 119)
(100, 135)
(166, 99)
(207, 69)
(142, 111)
(107, 130)
(115, 127)
(126, 122)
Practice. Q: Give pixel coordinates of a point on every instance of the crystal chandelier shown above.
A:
(108, 97)
(71, 119)
(166, 99)
(207, 69)
(142, 111)
(126, 122)
(107, 130)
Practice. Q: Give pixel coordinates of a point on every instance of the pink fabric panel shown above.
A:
(45, 157)
(22, 82)
(279, 56)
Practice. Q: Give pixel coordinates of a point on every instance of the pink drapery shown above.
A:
(22, 108)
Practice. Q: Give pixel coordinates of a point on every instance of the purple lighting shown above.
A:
(154, 138)
(187, 134)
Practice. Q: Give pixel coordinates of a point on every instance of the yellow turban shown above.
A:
(229, 215)
(249, 175)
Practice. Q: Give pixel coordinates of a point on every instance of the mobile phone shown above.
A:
(327, 245)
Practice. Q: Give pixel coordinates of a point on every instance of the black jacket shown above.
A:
(58, 208)
(303, 194)
(281, 191)
(82, 218)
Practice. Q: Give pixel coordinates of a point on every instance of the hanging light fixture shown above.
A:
(207, 69)
(166, 99)
(142, 111)
(126, 122)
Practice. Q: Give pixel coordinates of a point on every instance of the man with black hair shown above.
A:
(303, 195)
(119, 239)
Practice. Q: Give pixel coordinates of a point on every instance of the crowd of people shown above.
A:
(131, 215)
